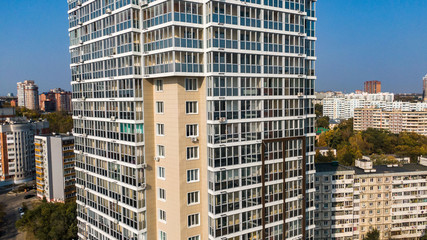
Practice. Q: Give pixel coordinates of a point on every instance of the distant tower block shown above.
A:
(425, 88)
(373, 86)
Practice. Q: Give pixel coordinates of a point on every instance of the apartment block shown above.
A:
(337, 202)
(193, 120)
(17, 163)
(55, 161)
(373, 86)
(28, 95)
(393, 121)
(56, 99)
(389, 198)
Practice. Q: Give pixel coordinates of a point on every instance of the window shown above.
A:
(162, 236)
(192, 130)
(162, 194)
(193, 198)
(160, 107)
(191, 108)
(160, 129)
(194, 220)
(159, 85)
(194, 238)
(191, 84)
(192, 175)
(161, 173)
(192, 153)
(162, 215)
(160, 151)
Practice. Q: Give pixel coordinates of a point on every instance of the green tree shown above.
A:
(318, 109)
(51, 221)
(60, 122)
(372, 235)
(322, 122)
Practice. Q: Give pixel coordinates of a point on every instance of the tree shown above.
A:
(322, 122)
(372, 235)
(318, 109)
(51, 221)
(60, 122)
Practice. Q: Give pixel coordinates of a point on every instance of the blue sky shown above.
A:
(358, 40)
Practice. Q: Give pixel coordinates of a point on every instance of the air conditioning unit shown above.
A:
(300, 94)
(143, 185)
(81, 41)
(223, 119)
(84, 98)
(108, 11)
(143, 3)
(84, 135)
(194, 139)
(157, 159)
(79, 3)
(144, 165)
(78, 80)
(113, 118)
(80, 116)
(82, 60)
(80, 23)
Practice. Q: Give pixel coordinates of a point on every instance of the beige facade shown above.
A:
(174, 162)
(28, 95)
(393, 121)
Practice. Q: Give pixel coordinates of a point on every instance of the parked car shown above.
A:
(29, 196)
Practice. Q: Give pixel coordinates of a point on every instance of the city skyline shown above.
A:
(401, 61)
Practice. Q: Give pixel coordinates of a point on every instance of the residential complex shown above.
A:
(393, 121)
(17, 163)
(55, 175)
(194, 119)
(373, 86)
(28, 95)
(344, 107)
(55, 100)
(350, 201)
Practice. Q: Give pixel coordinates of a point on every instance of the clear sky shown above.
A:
(358, 40)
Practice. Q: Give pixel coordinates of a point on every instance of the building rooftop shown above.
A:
(379, 169)
(332, 167)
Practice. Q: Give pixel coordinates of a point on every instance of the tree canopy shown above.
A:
(351, 145)
(59, 122)
(372, 235)
(51, 221)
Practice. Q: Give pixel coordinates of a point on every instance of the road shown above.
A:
(12, 202)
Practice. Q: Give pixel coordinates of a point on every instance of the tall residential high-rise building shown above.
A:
(55, 174)
(194, 119)
(28, 95)
(55, 100)
(17, 163)
(425, 88)
(373, 86)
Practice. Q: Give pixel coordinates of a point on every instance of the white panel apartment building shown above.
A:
(194, 120)
(17, 163)
(392, 199)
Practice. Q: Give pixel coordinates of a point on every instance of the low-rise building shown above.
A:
(55, 174)
(389, 198)
(393, 121)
